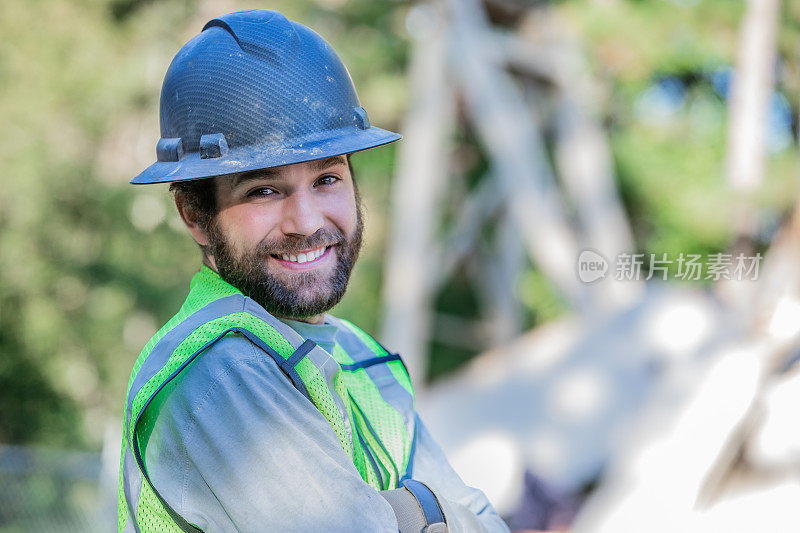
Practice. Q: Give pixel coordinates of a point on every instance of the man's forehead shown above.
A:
(277, 172)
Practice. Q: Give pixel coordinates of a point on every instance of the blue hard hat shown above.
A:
(254, 90)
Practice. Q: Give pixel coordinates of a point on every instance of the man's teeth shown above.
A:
(304, 257)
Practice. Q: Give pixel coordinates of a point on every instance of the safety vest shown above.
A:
(368, 403)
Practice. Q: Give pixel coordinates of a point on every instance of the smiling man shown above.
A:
(253, 409)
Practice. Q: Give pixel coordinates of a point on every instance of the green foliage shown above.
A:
(671, 168)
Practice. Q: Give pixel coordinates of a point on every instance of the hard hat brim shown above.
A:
(268, 155)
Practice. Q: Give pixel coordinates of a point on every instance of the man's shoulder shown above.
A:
(230, 360)
(230, 351)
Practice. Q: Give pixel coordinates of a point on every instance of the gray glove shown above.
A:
(416, 508)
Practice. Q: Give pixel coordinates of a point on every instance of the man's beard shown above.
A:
(305, 294)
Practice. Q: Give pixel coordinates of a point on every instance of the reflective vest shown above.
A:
(374, 425)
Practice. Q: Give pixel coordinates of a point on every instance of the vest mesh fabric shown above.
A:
(390, 441)
(122, 507)
(151, 514)
(382, 427)
(397, 368)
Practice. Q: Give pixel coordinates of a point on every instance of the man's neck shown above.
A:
(316, 319)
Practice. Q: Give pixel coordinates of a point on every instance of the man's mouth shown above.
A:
(307, 256)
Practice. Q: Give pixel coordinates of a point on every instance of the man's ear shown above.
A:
(191, 217)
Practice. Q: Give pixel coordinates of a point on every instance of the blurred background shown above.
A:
(645, 132)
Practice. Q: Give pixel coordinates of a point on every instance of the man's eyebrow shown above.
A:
(321, 164)
(263, 174)
(271, 173)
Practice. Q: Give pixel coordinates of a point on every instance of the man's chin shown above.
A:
(311, 298)
(300, 297)
(304, 284)
(300, 309)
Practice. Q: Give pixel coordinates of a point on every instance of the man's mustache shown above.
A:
(320, 238)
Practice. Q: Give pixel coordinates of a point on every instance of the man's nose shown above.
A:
(301, 215)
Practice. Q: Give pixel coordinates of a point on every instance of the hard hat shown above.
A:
(254, 90)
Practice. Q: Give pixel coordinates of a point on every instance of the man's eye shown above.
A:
(261, 191)
(327, 180)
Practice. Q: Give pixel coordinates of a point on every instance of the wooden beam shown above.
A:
(476, 209)
(750, 95)
(583, 152)
(497, 110)
(416, 190)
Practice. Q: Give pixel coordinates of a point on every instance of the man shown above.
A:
(252, 409)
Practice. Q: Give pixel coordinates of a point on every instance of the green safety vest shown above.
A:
(377, 435)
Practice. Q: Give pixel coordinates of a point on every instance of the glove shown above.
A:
(416, 508)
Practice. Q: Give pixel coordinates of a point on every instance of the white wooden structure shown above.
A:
(468, 75)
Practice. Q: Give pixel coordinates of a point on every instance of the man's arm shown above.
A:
(466, 509)
(237, 448)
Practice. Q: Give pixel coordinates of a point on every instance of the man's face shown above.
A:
(289, 236)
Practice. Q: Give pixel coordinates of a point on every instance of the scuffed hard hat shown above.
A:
(254, 90)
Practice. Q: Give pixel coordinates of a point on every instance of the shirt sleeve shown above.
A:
(466, 509)
(236, 447)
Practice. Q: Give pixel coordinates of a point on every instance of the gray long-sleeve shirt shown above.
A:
(236, 447)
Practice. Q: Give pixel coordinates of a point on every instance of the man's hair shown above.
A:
(200, 196)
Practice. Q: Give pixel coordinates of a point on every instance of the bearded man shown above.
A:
(253, 409)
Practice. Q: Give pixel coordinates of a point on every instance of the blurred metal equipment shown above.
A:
(498, 79)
